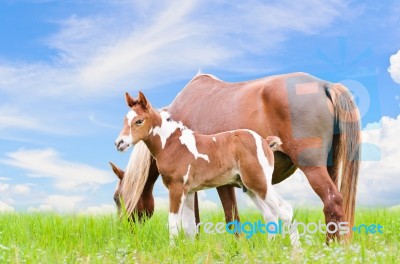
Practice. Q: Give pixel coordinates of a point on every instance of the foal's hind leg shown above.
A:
(269, 214)
(286, 214)
(257, 179)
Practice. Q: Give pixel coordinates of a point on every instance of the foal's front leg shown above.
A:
(177, 199)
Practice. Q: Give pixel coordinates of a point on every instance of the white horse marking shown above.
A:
(175, 220)
(262, 159)
(130, 116)
(186, 176)
(215, 140)
(187, 138)
(167, 128)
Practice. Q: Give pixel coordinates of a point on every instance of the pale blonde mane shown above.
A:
(135, 177)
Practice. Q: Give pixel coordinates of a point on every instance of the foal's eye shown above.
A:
(139, 122)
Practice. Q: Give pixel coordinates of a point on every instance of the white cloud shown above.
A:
(66, 175)
(5, 208)
(4, 187)
(378, 180)
(41, 208)
(394, 68)
(21, 189)
(63, 203)
(103, 209)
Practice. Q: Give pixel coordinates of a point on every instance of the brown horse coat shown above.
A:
(318, 121)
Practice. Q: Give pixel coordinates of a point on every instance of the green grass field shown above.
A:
(53, 238)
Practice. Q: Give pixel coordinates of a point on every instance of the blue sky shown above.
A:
(64, 66)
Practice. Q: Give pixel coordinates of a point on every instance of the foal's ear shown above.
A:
(117, 171)
(129, 100)
(143, 101)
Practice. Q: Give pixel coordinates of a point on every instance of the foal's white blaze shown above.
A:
(167, 128)
(186, 176)
(187, 138)
(130, 116)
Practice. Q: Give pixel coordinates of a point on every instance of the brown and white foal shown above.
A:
(188, 162)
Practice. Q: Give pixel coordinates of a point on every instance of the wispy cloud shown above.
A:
(94, 120)
(47, 163)
(142, 45)
(146, 47)
(11, 117)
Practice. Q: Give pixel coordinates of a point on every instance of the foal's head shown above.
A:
(136, 122)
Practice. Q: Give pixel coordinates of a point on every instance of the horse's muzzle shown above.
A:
(122, 145)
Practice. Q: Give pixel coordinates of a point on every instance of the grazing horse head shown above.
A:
(136, 124)
(117, 193)
(145, 205)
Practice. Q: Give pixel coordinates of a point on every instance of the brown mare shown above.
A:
(318, 122)
(189, 162)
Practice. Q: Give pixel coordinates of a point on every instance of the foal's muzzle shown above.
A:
(122, 145)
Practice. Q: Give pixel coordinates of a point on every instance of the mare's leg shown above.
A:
(188, 216)
(332, 199)
(196, 209)
(228, 199)
(311, 156)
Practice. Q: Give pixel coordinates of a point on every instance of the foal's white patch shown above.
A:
(186, 176)
(130, 116)
(262, 159)
(167, 128)
(215, 140)
(187, 138)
